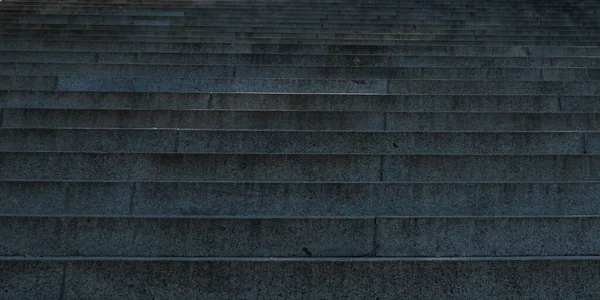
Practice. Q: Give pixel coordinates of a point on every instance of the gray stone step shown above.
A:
(237, 59)
(180, 237)
(473, 51)
(380, 31)
(558, 4)
(400, 25)
(178, 167)
(247, 85)
(418, 7)
(297, 167)
(272, 19)
(552, 6)
(429, 41)
(315, 6)
(385, 9)
(299, 102)
(376, 17)
(299, 237)
(186, 141)
(473, 278)
(197, 29)
(302, 12)
(315, 35)
(431, 10)
(285, 199)
(276, 13)
(292, 71)
(299, 120)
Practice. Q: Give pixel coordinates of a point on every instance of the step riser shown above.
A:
(279, 142)
(356, 237)
(298, 199)
(316, 32)
(345, 168)
(297, 60)
(186, 237)
(332, 38)
(378, 14)
(310, 102)
(329, 10)
(278, 40)
(243, 85)
(373, 21)
(178, 15)
(575, 279)
(280, 120)
(201, 26)
(430, 50)
(413, 25)
(324, 72)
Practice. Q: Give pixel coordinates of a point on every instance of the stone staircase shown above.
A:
(337, 149)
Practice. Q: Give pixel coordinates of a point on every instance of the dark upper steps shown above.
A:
(299, 102)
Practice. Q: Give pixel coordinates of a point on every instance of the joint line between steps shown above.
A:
(381, 158)
(132, 198)
(63, 281)
(375, 237)
(584, 143)
(176, 146)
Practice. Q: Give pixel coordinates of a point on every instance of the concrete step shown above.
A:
(377, 15)
(406, 143)
(301, 34)
(471, 6)
(311, 17)
(430, 41)
(181, 237)
(340, 6)
(299, 102)
(31, 236)
(474, 51)
(572, 277)
(400, 25)
(277, 13)
(302, 10)
(346, 3)
(286, 199)
(379, 31)
(190, 20)
(292, 71)
(296, 60)
(299, 120)
(256, 27)
(247, 85)
(297, 167)
(135, 35)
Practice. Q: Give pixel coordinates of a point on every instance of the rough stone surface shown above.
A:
(496, 279)
(191, 237)
(299, 150)
(56, 197)
(31, 279)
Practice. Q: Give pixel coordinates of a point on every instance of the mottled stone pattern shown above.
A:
(311, 149)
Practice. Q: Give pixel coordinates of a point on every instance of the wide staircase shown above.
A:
(278, 149)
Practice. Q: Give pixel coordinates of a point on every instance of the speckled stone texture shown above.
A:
(31, 279)
(497, 279)
(313, 149)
